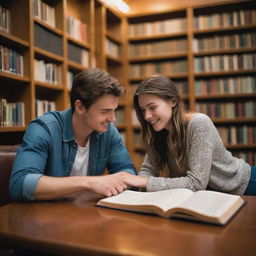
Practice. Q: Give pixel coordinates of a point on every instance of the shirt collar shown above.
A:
(68, 134)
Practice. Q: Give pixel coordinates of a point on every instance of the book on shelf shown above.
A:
(230, 85)
(43, 106)
(44, 12)
(11, 61)
(203, 206)
(48, 40)
(12, 113)
(78, 54)
(230, 110)
(4, 19)
(76, 28)
(112, 48)
(158, 27)
(225, 19)
(157, 48)
(47, 72)
(227, 62)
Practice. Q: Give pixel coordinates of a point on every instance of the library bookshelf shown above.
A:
(209, 52)
(50, 55)
(110, 55)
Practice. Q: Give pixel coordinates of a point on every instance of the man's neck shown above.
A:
(81, 132)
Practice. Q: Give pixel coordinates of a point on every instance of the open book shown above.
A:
(203, 205)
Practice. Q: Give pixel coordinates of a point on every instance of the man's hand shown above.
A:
(107, 185)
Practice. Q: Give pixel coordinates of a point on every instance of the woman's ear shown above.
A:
(173, 103)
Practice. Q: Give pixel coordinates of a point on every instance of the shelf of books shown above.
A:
(48, 56)
(39, 56)
(109, 55)
(14, 69)
(79, 37)
(157, 43)
(209, 52)
(224, 47)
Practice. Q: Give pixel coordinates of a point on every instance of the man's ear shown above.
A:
(79, 107)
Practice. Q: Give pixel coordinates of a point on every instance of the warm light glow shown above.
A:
(119, 4)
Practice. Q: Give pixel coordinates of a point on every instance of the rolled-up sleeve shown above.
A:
(30, 162)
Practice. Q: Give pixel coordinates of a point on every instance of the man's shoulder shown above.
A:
(47, 118)
(50, 120)
(52, 117)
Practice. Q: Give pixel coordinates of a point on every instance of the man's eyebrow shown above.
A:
(107, 109)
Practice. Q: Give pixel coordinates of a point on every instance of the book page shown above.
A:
(164, 199)
(210, 203)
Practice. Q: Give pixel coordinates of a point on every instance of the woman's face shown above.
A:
(156, 111)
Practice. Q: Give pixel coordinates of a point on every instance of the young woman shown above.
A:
(184, 150)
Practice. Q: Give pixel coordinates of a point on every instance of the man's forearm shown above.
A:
(57, 187)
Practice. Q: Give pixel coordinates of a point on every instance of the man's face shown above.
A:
(100, 114)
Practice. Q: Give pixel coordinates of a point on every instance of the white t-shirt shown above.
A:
(80, 166)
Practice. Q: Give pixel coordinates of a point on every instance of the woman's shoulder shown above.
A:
(200, 120)
(199, 116)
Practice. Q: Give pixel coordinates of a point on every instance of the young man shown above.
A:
(67, 152)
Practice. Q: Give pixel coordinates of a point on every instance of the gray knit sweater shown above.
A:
(211, 166)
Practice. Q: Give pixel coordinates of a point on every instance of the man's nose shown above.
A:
(112, 117)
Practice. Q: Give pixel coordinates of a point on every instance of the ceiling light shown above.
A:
(118, 4)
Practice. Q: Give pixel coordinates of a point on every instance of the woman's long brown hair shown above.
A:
(165, 149)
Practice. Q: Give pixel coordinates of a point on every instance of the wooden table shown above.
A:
(79, 228)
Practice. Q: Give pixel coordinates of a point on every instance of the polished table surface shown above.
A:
(77, 227)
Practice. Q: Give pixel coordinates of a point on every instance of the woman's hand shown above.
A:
(133, 180)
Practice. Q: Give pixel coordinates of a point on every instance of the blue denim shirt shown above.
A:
(49, 148)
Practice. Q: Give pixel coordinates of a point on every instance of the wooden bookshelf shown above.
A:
(110, 55)
(220, 59)
(44, 38)
(157, 41)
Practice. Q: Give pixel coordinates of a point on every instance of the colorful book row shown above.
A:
(232, 62)
(11, 61)
(225, 42)
(230, 85)
(11, 113)
(44, 12)
(158, 48)
(165, 67)
(43, 106)
(47, 72)
(167, 26)
(238, 134)
(77, 29)
(112, 48)
(229, 110)
(225, 19)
